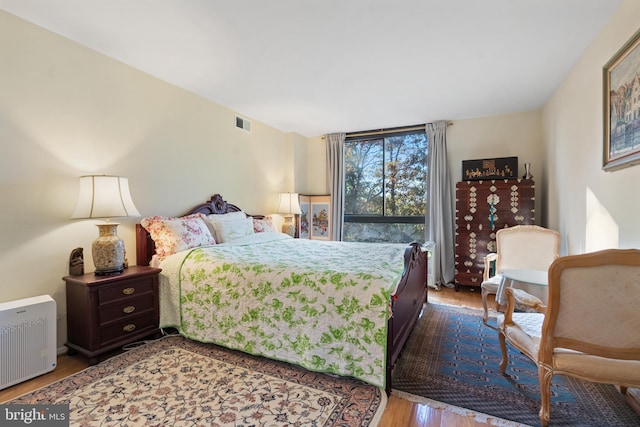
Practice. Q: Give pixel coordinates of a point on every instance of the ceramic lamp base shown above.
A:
(108, 250)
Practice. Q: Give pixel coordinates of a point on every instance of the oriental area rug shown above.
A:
(178, 382)
(452, 357)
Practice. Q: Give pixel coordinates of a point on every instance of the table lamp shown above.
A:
(288, 206)
(106, 197)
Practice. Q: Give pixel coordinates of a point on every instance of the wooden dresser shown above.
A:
(106, 312)
(482, 208)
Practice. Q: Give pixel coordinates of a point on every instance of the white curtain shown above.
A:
(335, 181)
(439, 220)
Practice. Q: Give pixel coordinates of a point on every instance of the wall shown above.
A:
(311, 166)
(508, 135)
(591, 208)
(66, 111)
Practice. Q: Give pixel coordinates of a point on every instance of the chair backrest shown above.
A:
(593, 305)
(526, 246)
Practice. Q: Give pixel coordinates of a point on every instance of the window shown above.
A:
(385, 186)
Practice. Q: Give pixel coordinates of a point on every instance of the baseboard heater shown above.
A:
(27, 339)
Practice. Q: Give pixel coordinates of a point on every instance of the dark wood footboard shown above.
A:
(406, 304)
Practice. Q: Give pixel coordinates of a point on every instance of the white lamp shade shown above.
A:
(104, 196)
(288, 203)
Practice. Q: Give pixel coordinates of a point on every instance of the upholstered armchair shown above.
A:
(528, 247)
(590, 327)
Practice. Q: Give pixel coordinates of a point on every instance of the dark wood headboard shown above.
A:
(145, 248)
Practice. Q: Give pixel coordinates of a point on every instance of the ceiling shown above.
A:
(315, 67)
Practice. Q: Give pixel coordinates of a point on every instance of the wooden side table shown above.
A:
(106, 312)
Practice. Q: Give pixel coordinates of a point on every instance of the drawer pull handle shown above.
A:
(129, 327)
(129, 309)
(128, 291)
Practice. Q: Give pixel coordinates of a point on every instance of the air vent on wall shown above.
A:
(244, 124)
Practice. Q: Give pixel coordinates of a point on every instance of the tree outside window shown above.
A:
(385, 187)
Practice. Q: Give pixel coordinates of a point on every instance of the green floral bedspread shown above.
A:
(322, 305)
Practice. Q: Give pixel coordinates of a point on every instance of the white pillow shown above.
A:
(230, 229)
(217, 218)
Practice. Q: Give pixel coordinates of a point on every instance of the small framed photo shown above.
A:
(621, 109)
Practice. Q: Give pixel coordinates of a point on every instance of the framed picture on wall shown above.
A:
(621, 110)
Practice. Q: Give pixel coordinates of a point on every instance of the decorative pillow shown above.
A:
(213, 218)
(228, 230)
(172, 235)
(262, 225)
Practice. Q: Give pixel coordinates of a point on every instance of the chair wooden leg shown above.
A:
(503, 347)
(484, 306)
(544, 377)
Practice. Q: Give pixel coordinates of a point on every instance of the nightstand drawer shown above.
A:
(130, 326)
(126, 289)
(126, 308)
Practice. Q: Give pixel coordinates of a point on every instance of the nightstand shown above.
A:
(107, 312)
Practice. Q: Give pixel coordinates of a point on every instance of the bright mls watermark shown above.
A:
(34, 415)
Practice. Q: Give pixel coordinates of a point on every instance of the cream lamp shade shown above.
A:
(288, 205)
(105, 196)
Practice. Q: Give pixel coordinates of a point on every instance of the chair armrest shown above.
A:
(519, 296)
(488, 259)
(528, 300)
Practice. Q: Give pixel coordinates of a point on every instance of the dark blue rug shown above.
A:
(452, 357)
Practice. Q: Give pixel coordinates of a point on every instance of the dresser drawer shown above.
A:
(125, 289)
(119, 330)
(127, 307)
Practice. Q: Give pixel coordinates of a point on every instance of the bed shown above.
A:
(337, 307)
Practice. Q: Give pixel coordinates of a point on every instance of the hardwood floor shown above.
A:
(398, 413)
(67, 365)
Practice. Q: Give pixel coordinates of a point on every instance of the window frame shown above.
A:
(384, 218)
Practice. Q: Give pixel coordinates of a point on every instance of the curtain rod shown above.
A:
(386, 131)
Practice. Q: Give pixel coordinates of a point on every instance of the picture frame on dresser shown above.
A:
(492, 168)
(621, 108)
